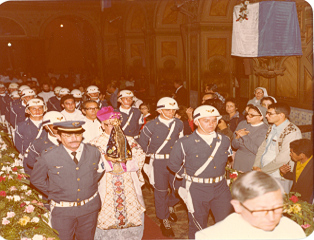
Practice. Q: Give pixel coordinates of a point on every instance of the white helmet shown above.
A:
(52, 117)
(167, 103)
(13, 85)
(35, 102)
(64, 91)
(125, 93)
(27, 92)
(15, 94)
(57, 90)
(76, 93)
(21, 88)
(206, 111)
(92, 89)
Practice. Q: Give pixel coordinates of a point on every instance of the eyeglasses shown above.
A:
(92, 109)
(263, 212)
(251, 115)
(270, 113)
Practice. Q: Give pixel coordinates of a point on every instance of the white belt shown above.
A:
(72, 204)
(161, 156)
(204, 180)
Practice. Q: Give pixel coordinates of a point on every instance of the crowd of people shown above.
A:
(85, 150)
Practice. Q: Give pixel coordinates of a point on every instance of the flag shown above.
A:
(269, 28)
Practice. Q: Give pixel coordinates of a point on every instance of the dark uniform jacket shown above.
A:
(102, 103)
(56, 175)
(196, 152)
(304, 185)
(154, 134)
(133, 128)
(35, 149)
(53, 104)
(26, 132)
(17, 113)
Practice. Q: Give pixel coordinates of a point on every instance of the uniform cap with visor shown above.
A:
(167, 103)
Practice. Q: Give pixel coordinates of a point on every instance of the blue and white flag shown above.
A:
(270, 28)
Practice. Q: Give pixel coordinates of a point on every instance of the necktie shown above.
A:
(74, 159)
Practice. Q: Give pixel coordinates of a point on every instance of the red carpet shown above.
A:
(152, 230)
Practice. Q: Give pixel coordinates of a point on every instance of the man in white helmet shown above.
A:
(157, 138)
(17, 113)
(131, 116)
(53, 103)
(45, 93)
(200, 158)
(13, 87)
(94, 94)
(27, 130)
(46, 138)
(77, 94)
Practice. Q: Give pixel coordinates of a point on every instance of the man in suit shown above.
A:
(68, 174)
(301, 152)
(181, 94)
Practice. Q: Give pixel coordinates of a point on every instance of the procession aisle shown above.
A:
(151, 228)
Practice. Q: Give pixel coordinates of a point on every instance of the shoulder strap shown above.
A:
(168, 136)
(128, 121)
(204, 166)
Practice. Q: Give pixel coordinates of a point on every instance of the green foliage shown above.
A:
(299, 211)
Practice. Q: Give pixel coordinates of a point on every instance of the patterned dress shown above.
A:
(122, 211)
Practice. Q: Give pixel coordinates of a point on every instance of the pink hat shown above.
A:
(106, 113)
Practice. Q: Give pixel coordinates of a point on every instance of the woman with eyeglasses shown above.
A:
(247, 138)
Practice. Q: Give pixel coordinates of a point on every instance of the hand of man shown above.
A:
(222, 124)
(256, 169)
(285, 168)
(189, 112)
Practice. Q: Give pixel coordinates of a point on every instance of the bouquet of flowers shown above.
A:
(231, 175)
(22, 212)
(299, 211)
